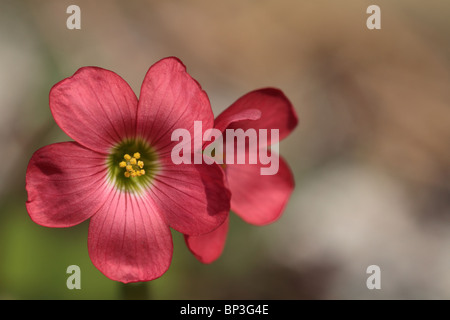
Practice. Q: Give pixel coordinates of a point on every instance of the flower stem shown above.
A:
(134, 291)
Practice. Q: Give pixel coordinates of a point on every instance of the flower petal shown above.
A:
(171, 99)
(66, 184)
(208, 247)
(225, 121)
(228, 117)
(193, 197)
(276, 110)
(259, 199)
(129, 241)
(95, 107)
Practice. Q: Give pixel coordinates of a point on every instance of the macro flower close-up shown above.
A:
(259, 199)
(118, 171)
(224, 155)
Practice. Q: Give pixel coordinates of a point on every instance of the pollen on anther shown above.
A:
(132, 166)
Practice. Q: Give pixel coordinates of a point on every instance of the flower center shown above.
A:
(133, 166)
(126, 165)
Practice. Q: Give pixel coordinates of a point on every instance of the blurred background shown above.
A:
(371, 156)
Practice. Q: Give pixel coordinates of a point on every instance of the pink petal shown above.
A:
(259, 199)
(129, 241)
(95, 107)
(223, 122)
(208, 247)
(171, 99)
(66, 184)
(234, 115)
(194, 198)
(276, 110)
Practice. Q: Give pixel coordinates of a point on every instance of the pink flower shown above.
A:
(118, 172)
(257, 199)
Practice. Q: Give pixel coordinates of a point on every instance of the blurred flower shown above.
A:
(118, 171)
(257, 199)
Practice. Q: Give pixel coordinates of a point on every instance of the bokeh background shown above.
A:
(371, 156)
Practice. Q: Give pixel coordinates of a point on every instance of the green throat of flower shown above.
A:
(132, 165)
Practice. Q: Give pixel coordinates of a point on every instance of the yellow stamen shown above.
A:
(132, 166)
